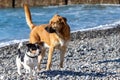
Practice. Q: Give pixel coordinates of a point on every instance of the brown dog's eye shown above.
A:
(53, 23)
(58, 22)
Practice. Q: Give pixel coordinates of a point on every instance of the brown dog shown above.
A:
(56, 34)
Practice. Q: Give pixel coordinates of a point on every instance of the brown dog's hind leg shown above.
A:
(40, 57)
(62, 54)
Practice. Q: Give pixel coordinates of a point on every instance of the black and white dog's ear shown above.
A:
(39, 43)
(29, 44)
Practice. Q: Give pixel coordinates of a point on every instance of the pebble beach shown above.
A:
(91, 55)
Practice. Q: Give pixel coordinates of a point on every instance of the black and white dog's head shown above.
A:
(33, 50)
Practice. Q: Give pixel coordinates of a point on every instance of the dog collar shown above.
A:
(32, 56)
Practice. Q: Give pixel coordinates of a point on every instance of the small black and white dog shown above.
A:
(28, 59)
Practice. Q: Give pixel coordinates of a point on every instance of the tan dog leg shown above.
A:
(51, 50)
(40, 57)
(62, 54)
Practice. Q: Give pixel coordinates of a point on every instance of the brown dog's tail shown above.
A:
(28, 16)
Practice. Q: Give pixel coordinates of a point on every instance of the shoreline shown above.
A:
(95, 33)
(83, 34)
(91, 55)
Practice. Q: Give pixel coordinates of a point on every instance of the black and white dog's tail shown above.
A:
(19, 47)
(20, 53)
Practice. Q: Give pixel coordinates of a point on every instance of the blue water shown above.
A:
(13, 27)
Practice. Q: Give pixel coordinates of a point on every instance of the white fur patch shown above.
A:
(62, 42)
(46, 46)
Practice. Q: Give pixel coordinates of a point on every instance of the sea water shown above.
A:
(13, 27)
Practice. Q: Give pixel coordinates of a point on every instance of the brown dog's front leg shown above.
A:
(51, 50)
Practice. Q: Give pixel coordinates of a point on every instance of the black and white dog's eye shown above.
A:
(38, 47)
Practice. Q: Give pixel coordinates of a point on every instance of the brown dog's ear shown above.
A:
(65, 19)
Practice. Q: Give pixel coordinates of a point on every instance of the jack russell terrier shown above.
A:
(28, 59)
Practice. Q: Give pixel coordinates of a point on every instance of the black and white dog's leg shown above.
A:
(28, 69)
(19, 65)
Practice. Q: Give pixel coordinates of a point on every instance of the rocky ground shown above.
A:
(95, 58)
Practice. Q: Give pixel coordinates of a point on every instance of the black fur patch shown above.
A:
(21, 55)
(50, 30)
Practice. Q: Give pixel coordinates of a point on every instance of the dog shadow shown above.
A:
(107, 61)
(54, 73)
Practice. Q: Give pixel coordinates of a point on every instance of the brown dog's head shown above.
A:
(56, 24)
